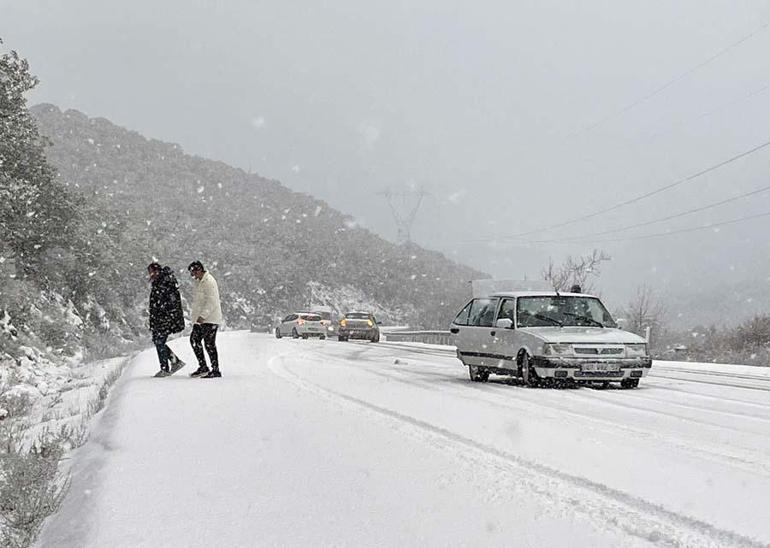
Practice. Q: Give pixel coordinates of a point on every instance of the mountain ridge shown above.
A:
(275, 249)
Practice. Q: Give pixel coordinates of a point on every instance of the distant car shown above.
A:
(547, 337)
(358, 325)
(327, 320)
(263, 324)
(301, 324)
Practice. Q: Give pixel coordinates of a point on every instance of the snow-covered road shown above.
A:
(323, 443)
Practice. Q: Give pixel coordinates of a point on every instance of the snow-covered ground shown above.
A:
(318, 443)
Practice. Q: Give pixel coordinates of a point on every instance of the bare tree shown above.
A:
(645, 310)
(582, 271)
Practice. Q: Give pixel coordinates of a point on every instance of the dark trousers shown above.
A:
(164, 352)
(206, 332)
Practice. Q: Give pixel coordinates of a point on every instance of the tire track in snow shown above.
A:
(750, 464)
(745, 459)
(684, 370)
(763, 386)
(642, 396)
(758, 405)
(635, 516)
(747, 462)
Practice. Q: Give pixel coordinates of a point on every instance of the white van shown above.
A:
(546, 337)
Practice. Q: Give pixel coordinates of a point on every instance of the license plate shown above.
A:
(599, 367)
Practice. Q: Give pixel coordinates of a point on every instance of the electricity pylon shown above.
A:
(404, 206)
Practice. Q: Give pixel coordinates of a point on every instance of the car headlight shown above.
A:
(637, 350)
(557, 349)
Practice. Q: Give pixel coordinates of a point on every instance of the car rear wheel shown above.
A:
(323, 337)
(342, 339)
(477, 374)
(528, 373)
(278, 333)
(629, 383)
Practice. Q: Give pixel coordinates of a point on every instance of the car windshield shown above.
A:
(357, 316)
(562, 311)
(325, 315)
(311, 317)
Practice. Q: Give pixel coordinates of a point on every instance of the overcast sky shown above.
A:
(492, 107)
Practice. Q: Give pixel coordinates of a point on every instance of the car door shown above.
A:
(475, 338)
(461, 333)
(503, 342)
(484, 331)
(288, 324)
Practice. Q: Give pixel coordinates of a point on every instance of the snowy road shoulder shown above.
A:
(318, 443)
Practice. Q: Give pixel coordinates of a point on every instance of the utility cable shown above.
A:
(671, 82)
(706, 207)
(646, 195)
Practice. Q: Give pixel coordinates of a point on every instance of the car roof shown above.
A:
(540, 294)
(358, 312)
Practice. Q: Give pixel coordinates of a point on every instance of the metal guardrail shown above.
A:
(427, 337)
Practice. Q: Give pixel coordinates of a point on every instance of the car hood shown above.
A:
(596, 335)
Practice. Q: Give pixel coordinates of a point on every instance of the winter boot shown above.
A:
(162, 373)
(202, 370)
(213, 374)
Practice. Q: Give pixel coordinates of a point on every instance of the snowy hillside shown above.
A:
(265, 242)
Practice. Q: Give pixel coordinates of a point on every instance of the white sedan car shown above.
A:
(301, 324)
(546, 338)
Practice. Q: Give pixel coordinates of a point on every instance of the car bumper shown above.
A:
(305, 332)
(581, 369)
(357, 333)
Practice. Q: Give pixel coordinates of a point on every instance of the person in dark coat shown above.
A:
(166, 316)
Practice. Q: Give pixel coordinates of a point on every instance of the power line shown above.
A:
(669, 83)
(641, 197)
(657, 234)
(686, 230)
(711, 112)
(706, 207)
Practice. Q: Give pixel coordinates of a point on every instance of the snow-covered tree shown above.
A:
(35, 211)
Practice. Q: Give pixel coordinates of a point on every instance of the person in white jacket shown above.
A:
(206, 315)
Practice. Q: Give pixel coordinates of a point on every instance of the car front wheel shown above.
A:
(528, 373)
(629, 383)
(278, 333)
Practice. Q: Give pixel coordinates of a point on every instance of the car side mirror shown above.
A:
(504, 323)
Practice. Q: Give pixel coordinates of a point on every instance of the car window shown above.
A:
(357, 316)
(464, 315)
(483, 312)
(287, 318)
(311, 317)
(564, 311)
(507, 310)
